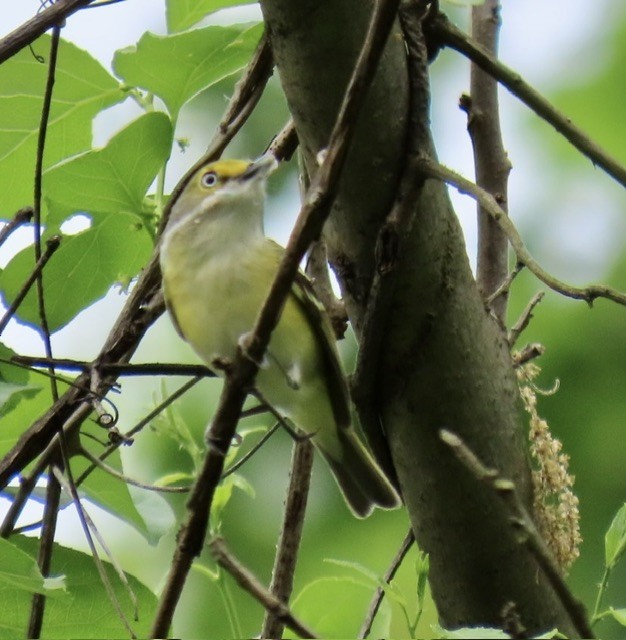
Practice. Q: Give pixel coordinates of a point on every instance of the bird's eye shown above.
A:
(209, 179)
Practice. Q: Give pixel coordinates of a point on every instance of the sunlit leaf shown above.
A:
(81, 90)
(178, 67)
(182, 14)
(82, 270)
(113, 179)
(86, 611)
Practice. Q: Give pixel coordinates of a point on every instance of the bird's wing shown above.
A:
(302, 293)
(172, 312)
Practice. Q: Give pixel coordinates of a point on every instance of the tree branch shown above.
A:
(407, 543)
(28, 32)
(490, 160)
(290, 535)
(524, 525)
(449, 35)
(488, 203)
(21, 217)
(251, 584)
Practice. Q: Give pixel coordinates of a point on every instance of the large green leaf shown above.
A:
(86, 611)
(113, 179)
(176, 68)
(18, 572)
(15, 383)
(82, 89)
(182, 14)
(334, 608)
(82, 270)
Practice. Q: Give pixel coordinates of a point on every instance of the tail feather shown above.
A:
(360, 479)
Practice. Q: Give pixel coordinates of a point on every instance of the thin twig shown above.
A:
(41, 146)
(248, 581)
(317, 270)
(449, 35)
(407, 543)
(285, 143)
(126, 479)
(237, 465)
(139, 426)
(528, 353)
(524, 525)
(28, 32)
(588, 294)
(288, 546)
(89, 527)
(44, 557)
(525, 318)
(506, 283)
(23, 216)
(53, 490)
(26, 486)
(119, 368)
(491, 163)
(51, 246)
(313, 214)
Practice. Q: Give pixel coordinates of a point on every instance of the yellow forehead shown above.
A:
(226, 168)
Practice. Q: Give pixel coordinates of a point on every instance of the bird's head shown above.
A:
(234, 183)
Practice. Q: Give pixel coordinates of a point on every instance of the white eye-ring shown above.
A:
(209, 179)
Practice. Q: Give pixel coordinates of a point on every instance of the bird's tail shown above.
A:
(360, 479)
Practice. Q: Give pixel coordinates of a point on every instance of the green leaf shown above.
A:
(15, 382)
(82, 89)
(182, 14)
(18, 571)
(86, 611)
(16, 420)
(334, 608)
(82, 270)
(615, 539)
(223, 494)
(619, 615)
(113, 179)
(176, 68)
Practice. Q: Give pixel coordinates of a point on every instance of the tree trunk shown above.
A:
(445, 362)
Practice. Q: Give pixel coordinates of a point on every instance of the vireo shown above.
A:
(217, 269)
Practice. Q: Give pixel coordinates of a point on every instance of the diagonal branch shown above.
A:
(250, 583)
(28, 32)
(520, 519)
(488, 203)
(449, 35)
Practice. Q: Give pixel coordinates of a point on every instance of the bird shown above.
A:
(217, 267)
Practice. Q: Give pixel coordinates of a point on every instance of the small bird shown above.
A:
(217, 268)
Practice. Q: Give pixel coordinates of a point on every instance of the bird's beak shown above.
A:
(260, 168)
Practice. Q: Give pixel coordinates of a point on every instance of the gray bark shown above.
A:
(445, 362)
